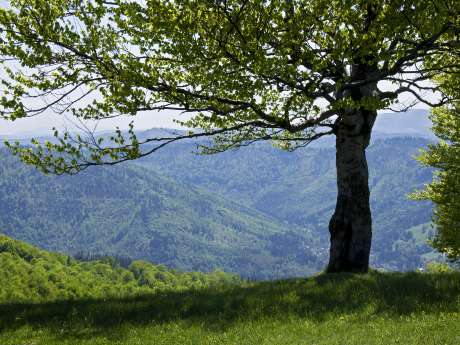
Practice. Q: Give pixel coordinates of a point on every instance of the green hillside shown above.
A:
(28, 274)
(258, 211)
(140, 213)
(47, 300)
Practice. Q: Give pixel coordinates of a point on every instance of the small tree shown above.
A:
(444, 190)
(290, 71)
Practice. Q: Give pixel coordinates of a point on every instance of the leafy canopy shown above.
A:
(246, 70)
(444, 190)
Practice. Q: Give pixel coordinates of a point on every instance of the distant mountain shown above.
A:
(257, 211)
(140, 213)
(299, 188)
(415, 122)
(412, 123)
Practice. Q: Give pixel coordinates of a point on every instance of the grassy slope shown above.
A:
(97, 304)
(376, 308)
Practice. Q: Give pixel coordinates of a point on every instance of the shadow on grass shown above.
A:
(317, 299)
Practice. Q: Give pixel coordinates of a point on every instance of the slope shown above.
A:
(337, 309)
(299, 188)
(29, 274)
(137, 212)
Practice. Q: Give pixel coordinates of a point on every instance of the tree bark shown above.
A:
(351, 224)
(350, 227)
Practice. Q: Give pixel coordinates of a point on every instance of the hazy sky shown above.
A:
(42, 124)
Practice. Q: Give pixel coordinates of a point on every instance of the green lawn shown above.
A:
(377, 308)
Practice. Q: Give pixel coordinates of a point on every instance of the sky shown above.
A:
(43, 124)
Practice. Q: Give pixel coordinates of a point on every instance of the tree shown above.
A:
(444, 190)
(290, 71)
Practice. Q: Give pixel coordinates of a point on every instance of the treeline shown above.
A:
(29, 274)
(112, 260)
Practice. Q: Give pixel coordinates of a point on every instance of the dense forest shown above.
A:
(258, 211)
(139, 213)
(299, 189)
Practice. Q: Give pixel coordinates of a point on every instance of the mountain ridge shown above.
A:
(134, 211)
(257, 211)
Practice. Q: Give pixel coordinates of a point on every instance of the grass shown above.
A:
(376, 308)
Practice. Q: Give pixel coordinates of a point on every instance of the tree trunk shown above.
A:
(351, 224)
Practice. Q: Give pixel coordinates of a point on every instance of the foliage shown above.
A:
(339, 309)
(444, 190)
(247, 71)
(114, 260)
(32, 275)
(437, 267)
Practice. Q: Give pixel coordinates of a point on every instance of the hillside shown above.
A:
(337, 309)
(140, 213)
(258, 211)
(29, 274)
(299, 188)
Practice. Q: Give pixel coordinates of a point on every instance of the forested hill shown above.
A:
(138, 212)
(29, 274)
(299, 188)
(258, 211)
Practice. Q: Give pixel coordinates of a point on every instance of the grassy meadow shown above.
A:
(376, 308)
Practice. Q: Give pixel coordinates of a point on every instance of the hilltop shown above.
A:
(337, 309)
